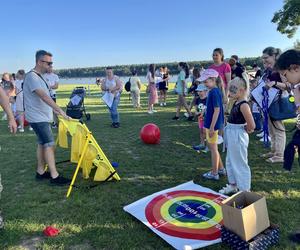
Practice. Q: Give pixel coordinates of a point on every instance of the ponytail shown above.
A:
(271, 51)
(221, 52)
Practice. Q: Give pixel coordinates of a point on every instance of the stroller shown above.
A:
(75, 107)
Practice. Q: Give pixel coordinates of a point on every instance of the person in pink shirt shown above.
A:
(222, 68)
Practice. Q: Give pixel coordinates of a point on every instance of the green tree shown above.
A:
(288, 18)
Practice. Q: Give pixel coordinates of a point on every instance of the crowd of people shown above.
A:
(221, 102)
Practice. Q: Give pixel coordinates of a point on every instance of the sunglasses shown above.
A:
(49, 63)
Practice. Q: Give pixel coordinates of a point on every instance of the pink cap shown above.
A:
(208, 73)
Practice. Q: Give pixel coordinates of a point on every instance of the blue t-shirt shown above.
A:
(214, 100)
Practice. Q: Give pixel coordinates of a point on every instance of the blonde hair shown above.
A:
(220, 85)
(242, 82)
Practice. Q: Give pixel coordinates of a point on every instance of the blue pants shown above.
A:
(238, 170)
(114, 109)
(258, 120)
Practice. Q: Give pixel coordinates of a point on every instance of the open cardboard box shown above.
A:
(245, 214)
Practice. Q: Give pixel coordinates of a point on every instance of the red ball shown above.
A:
(150, 134)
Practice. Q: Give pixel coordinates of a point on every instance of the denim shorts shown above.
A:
(44, 133)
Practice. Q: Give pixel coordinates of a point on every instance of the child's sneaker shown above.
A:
(222, 172)
(21, 130)
(261, 134)
(199, 147)
(262, 139)
(150, 112)
(210, 176)
(228, 189)
(154, 111)
(60, 181)
(205, 150)
(165, 104)
(30, 128)
(161, 104)
(45, 175)
(186, 114)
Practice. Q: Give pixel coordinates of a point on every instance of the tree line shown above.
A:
(125, 70)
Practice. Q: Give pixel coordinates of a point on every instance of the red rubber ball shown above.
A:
(150, 134)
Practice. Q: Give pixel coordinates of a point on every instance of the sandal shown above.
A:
(267, 155)
(275, 159)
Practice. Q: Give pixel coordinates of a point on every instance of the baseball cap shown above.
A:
(201, 87)
(208, 73)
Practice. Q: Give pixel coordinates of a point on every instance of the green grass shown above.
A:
(94, 219)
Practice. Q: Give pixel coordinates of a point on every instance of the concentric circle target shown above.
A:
(186, 214)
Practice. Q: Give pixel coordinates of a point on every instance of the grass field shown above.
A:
(94, 219)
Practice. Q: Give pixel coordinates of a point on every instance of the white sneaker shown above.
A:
(228, 189)
(154, 111)
(261, 134)
(30, 128)
(150, 112)
(262, 139)
(165, 104)
(21, 130)
(186, 114)
(19, 127)
(161, 104)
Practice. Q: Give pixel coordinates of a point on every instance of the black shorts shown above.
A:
(162, 86)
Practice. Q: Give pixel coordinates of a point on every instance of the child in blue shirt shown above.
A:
(214, 121)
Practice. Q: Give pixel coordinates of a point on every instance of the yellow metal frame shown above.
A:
(99, 163)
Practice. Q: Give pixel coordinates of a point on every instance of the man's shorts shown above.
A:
(44, 133)
(214, 138)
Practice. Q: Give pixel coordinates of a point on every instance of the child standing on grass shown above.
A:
(201, 91)
(214, 121)
(151, 89)
(181, 90)
(240, 123)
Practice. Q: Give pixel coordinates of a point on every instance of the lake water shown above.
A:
(93, 80)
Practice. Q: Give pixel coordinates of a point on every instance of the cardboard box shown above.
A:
(263, 241)
(245, 214)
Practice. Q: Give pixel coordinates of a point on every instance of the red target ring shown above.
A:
(186, 214)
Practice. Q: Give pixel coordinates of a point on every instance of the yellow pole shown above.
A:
(78, 165)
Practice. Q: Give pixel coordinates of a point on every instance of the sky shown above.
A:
(89, 33)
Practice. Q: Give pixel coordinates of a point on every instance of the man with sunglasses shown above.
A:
(39, 108)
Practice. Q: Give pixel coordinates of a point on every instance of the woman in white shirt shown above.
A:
(112, 84)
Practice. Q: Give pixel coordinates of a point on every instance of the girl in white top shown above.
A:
(135, 87)
(151, 89)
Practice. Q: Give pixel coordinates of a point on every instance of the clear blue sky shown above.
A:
(83, 33)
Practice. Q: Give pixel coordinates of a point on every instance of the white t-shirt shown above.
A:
(134, 81)
(51, 79)
(19, 93)
(36, 110)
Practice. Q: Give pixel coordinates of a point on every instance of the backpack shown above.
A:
(128, 85)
